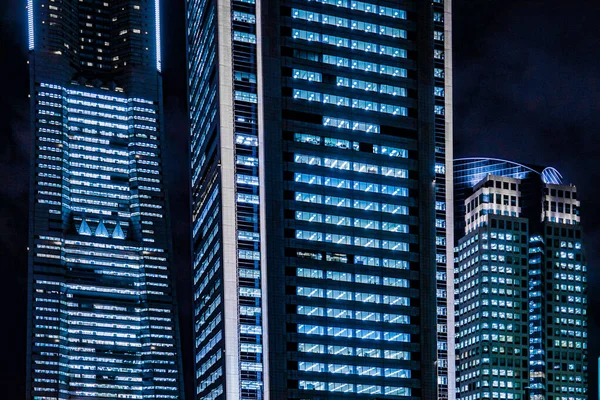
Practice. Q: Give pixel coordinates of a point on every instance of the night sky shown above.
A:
(526, 88)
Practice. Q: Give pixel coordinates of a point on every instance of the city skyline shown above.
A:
(496, 151)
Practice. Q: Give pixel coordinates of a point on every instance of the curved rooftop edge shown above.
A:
(471, 170)
(551, 175)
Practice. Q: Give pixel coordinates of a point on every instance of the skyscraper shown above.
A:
(558, 300)
(521, 233)
(102, 320)
(491, 294)
(321, 190)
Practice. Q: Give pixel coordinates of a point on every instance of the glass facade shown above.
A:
(320, 164)
(102, 317)
(348, 202)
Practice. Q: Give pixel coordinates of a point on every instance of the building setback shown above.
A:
(321, 190)
(491, 294)
(102, 320)
(521, 235)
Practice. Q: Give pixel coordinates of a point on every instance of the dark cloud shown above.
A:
(526, 84)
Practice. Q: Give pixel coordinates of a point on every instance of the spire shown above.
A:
(84, 229)
(118, 232)
(101, 230)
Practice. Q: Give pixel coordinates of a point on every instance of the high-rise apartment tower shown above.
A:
(321, 191)
(102, 320)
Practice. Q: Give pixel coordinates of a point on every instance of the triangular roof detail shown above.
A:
(84, 229)
(118, 232)
(101, 230)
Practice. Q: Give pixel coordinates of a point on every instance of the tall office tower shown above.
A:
(556, 273)
(491, 294)
(102, 320)
(321, 184)
(558, 300)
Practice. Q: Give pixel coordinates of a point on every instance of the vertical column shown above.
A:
(228, 200)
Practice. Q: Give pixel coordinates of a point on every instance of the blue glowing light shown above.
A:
(30, 24)
(157, 21)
